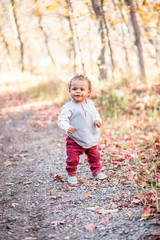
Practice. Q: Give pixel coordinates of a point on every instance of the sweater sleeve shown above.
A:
(97, 116)
(63, 119)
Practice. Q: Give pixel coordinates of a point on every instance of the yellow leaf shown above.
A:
(66, 12)
(146, 215)
(37, 12)
(51, 7)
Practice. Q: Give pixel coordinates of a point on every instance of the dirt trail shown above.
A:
(36, 201)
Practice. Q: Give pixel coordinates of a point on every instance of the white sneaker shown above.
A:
(101, 176)
(72, 179)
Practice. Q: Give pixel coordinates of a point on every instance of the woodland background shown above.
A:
(106, 39)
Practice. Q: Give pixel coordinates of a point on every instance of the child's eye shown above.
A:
(82, 89)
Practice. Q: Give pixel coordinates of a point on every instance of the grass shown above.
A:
(24, 85)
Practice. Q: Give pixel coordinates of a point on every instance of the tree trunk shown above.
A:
(73, 45)
(46, 40)
(101, 59)
(108, 38)
(75, 34)
(20, 43)
(123, 37)
(9, 61)
(137, 42)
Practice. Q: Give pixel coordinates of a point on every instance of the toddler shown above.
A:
(80, 120)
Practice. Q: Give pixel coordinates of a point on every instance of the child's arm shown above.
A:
(63, 120)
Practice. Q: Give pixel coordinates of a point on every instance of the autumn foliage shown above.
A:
(130, 142)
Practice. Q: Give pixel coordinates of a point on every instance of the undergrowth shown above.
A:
(130, 138)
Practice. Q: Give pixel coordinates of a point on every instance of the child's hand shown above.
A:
(71, 130)
(97, 123)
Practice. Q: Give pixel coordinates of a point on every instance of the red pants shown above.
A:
(73, 152)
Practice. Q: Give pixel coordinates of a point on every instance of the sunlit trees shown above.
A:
(137, 37)
(107, 38)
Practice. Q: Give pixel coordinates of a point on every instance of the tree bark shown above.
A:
(137, 42)
(75, 34)
(123, 37)
(101, 59)
(9, 61)
(20, 43)
(107, 33)
(46, 40)
(73, 45)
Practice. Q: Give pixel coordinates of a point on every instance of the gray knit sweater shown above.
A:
(81, 117)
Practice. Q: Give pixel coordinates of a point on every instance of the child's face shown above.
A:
(79, 91)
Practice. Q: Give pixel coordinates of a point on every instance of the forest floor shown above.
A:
(37, 203)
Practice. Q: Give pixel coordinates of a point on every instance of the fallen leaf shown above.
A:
(90, 227)
(86, 194)
(92, 208)
(136, 201)
(129, 213)
(53, 192)
(106, 211)
(58, 178)
(81, 180)
(29, 182)
(147, 210)
(146, 215)
(7, 163)
(102, 211)
(14, 204)
(10, 183)
(57, 223)
(106, 220)
(156, 223)
(24, 155)
(30, 238)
